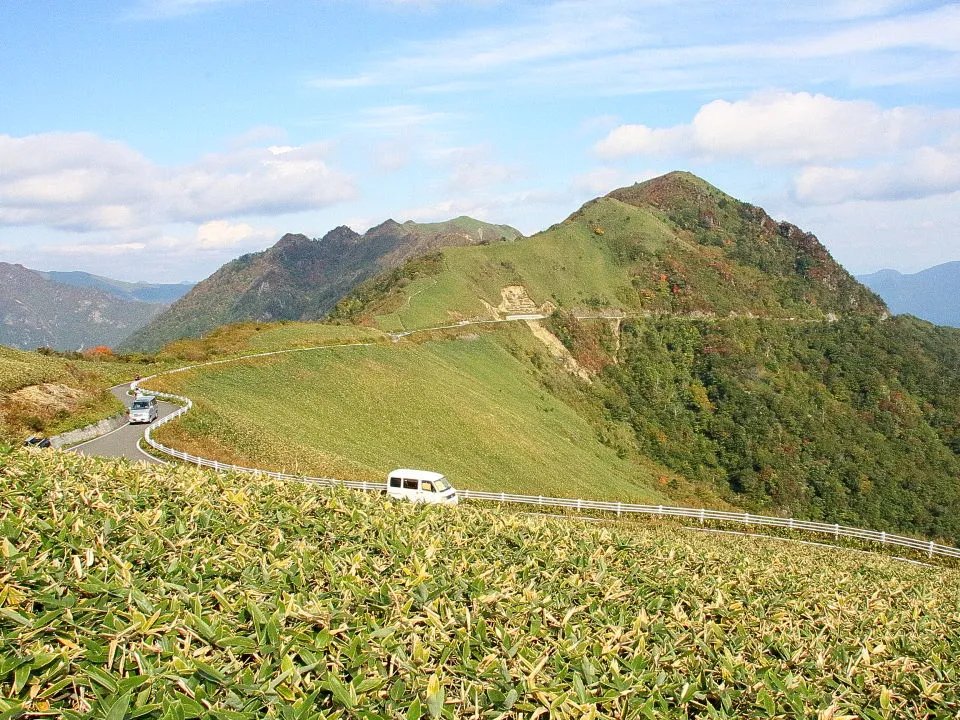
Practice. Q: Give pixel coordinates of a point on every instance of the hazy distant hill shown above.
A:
(36, 311)
(164, 293)
(301, 279)
(932, 294)
(672, 245)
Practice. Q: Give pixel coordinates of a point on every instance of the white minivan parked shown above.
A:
(420, 486)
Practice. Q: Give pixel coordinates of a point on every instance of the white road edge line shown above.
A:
(144, 452)
(98, 437)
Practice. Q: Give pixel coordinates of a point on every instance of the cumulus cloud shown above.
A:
(221, 235)
(783, 128)
(81, 182)
(926, 172)
(841, 149)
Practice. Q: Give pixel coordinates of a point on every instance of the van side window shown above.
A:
(427, 486)
(395, 482)
(409, 484)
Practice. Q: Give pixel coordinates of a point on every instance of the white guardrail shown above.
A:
(700, 514)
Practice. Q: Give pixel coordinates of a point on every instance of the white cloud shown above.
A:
(925, 172)
(624, 46)
(599, 181)
(96, 250)
(221, 235)
(399, 117)
(865, 236)
(840, 150)
(80, 182)
(783, 128)
(161, 9)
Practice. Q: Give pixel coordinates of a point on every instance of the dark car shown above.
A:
(36, 441)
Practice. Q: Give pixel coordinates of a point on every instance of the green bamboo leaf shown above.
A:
(15, 617)
(415, 711)
(117, 710)
(341, 692)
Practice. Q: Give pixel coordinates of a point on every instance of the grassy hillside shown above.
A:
(674, 245)
(48, 394)
(170, 592)
(250, 338)
(473, 408)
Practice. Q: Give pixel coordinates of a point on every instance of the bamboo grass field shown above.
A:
(178, 593)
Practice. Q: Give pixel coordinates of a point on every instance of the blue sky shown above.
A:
(158, 139)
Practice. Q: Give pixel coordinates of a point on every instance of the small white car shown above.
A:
(420, 486)
(144, 409)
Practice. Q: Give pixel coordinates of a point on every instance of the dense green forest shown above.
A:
(854, 421)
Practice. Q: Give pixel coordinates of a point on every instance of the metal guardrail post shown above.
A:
(883, 538)
(618, 509)
(930, 550)
(836, 532)
(702, 515)
(660, 512)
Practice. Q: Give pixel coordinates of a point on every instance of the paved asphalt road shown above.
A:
(123, 441)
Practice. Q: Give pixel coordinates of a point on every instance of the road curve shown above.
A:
(122, 442)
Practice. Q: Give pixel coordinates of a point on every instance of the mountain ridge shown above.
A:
(36, 311)
(932, 294)
(163, 293)
(674, 245)
(300, 278)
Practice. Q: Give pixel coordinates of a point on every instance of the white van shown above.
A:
(420, 486)
(144, 409)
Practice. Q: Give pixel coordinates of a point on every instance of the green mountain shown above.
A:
(302, 279)
(672, 245)
(36, 311)
(735, 352)
(164, 293)
(932, 294)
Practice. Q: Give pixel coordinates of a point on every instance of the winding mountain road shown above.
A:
(123, 442)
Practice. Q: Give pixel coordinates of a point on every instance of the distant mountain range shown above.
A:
(164, 293)
(38, 310)
(932, 294)
(302, 279)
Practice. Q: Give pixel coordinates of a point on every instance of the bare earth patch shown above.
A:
(50, 397)
(557, 349)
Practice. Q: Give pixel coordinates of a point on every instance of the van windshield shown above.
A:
(440, 485)
(141, 404)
